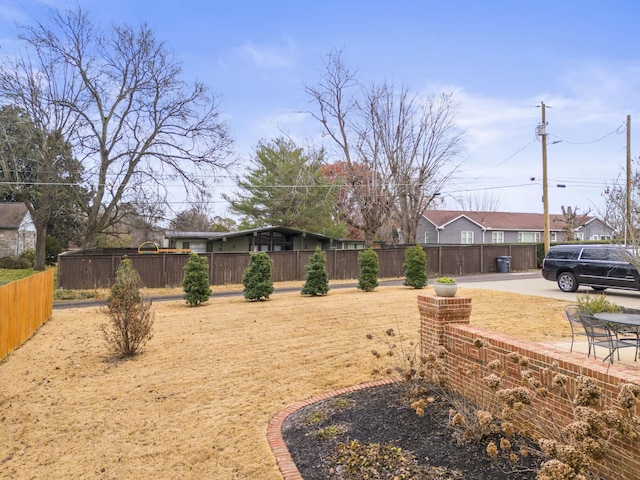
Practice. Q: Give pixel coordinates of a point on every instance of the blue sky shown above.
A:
(500, 58)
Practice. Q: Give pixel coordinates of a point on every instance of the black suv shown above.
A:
(596, 266)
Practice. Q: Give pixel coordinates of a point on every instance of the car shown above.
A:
(596, 266)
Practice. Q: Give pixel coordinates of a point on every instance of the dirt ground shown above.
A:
(196, 403)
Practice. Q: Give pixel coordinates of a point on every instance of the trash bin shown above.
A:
(503, 264)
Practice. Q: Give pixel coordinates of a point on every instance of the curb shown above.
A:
(279, 448)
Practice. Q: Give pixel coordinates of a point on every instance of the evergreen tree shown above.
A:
(257, 281)
(415, 267)
(196, 280)
(288, 188)
(368, 263)
(131, 318)
(316, 276)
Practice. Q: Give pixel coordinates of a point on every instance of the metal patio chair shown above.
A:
(601, 334)
(573, 315)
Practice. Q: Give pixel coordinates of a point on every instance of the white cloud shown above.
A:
(268, 56)
(489, 122)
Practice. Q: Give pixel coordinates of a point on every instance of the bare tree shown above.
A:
(192, 220)
(405, 141)
(572, 221)
(132, 121)
(419, 141)
(625, 225)
(486, 202)
(615, 209)
(336, 107)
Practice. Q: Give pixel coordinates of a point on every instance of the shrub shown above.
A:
(316, 276)
(415, 267)
(52, 249)
(11, 263)
(368, 263)
(403, 361)
(195, 282)
(29, 257)
(597, 304)
(448, 280)
(130, 317)
(257, 277)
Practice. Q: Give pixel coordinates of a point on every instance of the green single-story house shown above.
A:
(266, 239)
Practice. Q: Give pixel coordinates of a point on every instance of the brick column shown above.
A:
(435, 313)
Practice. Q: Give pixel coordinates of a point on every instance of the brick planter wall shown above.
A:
(445, 322)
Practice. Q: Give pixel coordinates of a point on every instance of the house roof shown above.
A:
(241, 233)
(498, 220)
(12, 214)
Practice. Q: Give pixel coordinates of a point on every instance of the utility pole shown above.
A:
(627, 228)
(545, 187)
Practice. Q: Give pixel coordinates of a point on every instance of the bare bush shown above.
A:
(130, 318)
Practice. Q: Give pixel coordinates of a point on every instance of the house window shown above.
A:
(198, 247)
(528, 237)
(553, 236)
(600, 237)
(185, 245)
(497, 237)
(273, 241)
(426, 237)
(466, 237)
(579, 236)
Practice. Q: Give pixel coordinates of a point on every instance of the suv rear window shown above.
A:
(596, 254)
(563, 253)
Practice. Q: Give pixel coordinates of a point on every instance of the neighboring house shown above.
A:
(458, 227)
(267, 239)
(17, 231)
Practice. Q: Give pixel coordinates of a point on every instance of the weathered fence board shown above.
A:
(88, 270)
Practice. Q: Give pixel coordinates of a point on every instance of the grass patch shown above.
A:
(61, 295)
(8, 275)
(331, 432)
(316, 417)
(341, 404)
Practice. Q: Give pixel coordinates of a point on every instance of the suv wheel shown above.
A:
(567, 282)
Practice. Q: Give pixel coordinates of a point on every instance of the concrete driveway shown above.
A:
(532, 283)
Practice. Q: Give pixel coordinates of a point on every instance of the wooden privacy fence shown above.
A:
(24, 306)
(89, 269)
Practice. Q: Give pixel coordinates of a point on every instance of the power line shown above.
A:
(62, 184)
(619, 130)
(508, 158)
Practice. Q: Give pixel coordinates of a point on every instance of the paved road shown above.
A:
(528, 283)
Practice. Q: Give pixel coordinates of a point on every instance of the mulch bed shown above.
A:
(382, 415)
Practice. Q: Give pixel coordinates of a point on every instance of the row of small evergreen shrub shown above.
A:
(258, 284)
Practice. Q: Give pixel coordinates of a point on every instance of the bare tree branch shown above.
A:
(129, 115)
(405, 144)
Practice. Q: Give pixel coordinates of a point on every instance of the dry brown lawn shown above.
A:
(196, 403)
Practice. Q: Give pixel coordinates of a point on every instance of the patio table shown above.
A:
(624, 320)
(623, 323)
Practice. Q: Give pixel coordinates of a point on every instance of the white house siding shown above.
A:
(13, 242)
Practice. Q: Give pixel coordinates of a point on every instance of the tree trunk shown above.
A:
(41, 245)
(369, 238)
